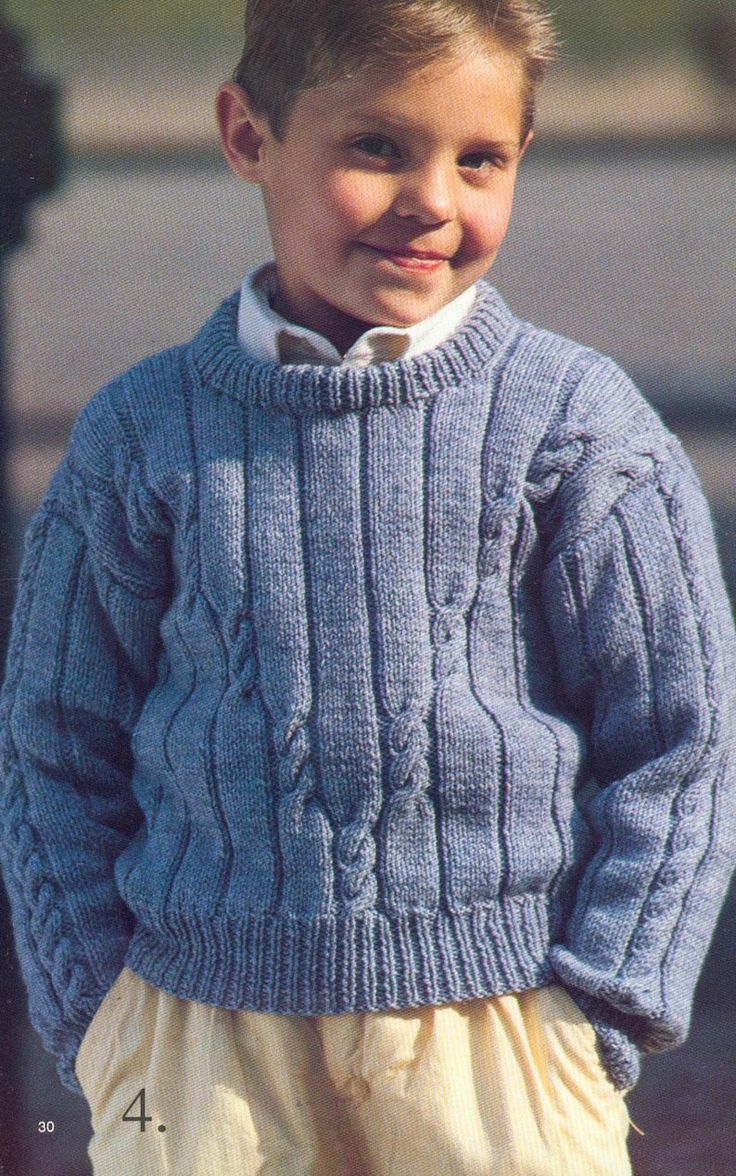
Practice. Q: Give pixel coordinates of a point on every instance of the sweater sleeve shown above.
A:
(82, 656)
(645, 646)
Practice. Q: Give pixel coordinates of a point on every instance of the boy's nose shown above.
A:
(426, 194)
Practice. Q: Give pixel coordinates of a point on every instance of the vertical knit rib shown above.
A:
(280, 562)
(241, 730)
(465, 736)
(345, 711)
(394, 503)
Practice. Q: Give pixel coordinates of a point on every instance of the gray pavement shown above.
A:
(632, 253)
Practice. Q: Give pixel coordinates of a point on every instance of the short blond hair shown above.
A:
(295, 45)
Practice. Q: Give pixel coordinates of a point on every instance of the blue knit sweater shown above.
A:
(335, 689)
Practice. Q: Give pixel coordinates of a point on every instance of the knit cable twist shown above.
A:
(300, 811)
(67, 979)
(407, 744)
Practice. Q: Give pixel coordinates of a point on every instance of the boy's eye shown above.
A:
(375, 145)
(475, 162)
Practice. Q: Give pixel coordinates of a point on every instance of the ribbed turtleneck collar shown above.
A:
(221, 363)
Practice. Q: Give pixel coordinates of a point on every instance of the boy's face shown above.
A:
(373, 168)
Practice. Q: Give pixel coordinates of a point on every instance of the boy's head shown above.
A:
(380, 129)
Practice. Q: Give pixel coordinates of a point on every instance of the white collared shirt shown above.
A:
(266, 335)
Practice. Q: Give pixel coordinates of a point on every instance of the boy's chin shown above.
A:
(343, 322)
(406, 312)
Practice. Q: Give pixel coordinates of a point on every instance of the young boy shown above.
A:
(368, 726)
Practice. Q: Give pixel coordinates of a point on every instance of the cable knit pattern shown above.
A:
(335, 689)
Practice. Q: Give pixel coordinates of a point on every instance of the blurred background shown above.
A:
(624, 237)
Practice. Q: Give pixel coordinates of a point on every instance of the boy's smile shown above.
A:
(390, 193)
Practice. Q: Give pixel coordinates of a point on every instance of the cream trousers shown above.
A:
(505, 1086)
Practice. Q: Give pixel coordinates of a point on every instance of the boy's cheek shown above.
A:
(482, 242)
(354, 201)
(486, 235)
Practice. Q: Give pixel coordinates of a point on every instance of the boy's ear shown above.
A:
(241, 131)
(525, 144)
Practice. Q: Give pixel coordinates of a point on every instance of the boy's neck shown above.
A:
(340, 329)
(268, 335)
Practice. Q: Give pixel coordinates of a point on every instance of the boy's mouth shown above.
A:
(418, 259)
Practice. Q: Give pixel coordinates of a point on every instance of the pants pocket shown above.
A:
(573, 1021)
(585, 1119)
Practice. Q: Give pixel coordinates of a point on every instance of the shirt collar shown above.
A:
(267, 336)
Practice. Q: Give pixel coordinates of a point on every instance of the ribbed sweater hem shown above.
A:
(365, 962)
